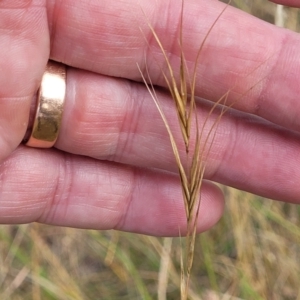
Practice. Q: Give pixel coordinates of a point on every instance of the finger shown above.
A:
(257, 61)
(113, 119)
(81, 192)
(292, 3)
(24, 50)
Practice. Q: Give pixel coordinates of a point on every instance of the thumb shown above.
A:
(24, 51)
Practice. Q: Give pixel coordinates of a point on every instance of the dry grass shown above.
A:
(253, 253)
(191, 165)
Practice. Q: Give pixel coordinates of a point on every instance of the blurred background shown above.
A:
(252, 253)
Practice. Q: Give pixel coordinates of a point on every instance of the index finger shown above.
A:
(242, 53)
(293, 3)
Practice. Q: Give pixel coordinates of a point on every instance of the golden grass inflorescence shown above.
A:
(191, 166)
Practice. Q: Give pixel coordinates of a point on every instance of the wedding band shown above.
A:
(50, 102)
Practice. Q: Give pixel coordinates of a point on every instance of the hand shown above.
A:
(112, 166)
(293, 3)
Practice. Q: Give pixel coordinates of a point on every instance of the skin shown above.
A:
(112, 166)
(293, 3)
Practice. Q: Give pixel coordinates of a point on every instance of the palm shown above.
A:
(101, 174)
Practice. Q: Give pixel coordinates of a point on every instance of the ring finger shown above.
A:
(115, 119)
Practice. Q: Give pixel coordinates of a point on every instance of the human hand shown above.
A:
(112, 166)
(293, 3)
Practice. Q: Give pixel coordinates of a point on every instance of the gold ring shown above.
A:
(50, 102)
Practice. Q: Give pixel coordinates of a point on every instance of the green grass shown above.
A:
(252, 253)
